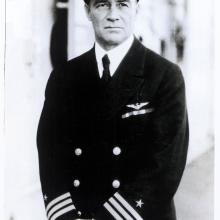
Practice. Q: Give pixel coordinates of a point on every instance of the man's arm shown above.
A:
(59, 203)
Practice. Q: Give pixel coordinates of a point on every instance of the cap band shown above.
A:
(87, 1)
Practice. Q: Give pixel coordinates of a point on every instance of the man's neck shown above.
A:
(107, 47)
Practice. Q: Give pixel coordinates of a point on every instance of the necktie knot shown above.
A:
(105, 61)
(106, 72)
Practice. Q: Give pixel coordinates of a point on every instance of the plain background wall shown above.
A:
(217, 109)
(27, 70)
(199, 75)
(2, 158)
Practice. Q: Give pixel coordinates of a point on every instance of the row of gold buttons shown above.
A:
(116, 151)
(115, 183)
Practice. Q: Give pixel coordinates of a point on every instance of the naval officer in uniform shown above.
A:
(113, 133)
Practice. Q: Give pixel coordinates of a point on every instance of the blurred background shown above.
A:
(41, 35)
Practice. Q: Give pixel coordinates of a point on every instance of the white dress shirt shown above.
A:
(115, 55)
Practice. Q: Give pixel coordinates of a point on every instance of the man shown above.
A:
(113, 133)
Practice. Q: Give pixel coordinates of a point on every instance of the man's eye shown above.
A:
(123, 4)
(99, 5)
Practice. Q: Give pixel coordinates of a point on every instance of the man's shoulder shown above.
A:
(159, 70)
(71, 72)
(158, 61)
(75, 69)
(151, 58)
(81, 59)
(161, 65)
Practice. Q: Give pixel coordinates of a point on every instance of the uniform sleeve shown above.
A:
(58, 200)
(150, 195)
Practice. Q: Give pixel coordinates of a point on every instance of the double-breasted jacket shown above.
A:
(116, 150)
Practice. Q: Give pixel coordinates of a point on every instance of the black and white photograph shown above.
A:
(108, 110)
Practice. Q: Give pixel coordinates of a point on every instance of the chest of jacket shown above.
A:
(109, 142)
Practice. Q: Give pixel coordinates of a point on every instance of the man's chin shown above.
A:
(114, 40)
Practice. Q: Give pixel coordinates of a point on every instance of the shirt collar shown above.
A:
(115, 55)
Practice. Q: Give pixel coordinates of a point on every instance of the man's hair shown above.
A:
(87, 1)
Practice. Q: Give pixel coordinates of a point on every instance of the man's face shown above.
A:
(113, 20)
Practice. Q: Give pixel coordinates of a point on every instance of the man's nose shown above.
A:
(113, 14)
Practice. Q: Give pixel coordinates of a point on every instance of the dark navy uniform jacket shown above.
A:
(114, 151)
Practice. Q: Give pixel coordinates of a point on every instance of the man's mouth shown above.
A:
(110, 27)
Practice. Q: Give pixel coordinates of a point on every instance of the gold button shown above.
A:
(117, 151)
(78, 151)
(76, 183)
(116, 184)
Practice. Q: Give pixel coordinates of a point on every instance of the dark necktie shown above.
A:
(106, 72)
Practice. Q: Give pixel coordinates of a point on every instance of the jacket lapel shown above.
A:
(127, 80)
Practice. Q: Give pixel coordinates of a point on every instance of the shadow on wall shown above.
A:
(59, 41)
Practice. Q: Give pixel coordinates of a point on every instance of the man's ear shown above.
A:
(87, 9)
